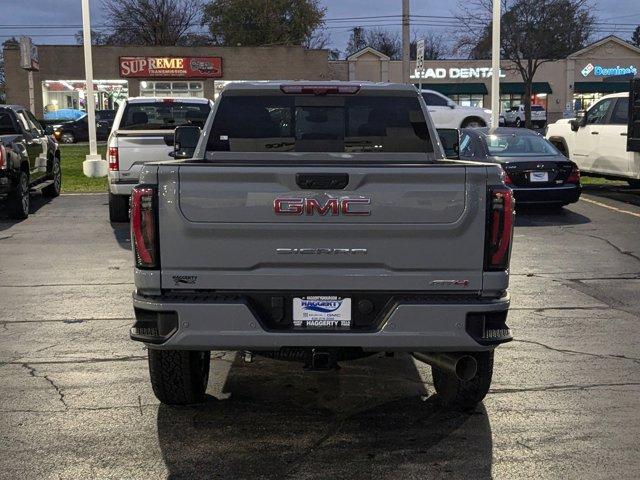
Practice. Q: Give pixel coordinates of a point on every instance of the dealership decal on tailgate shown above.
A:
(323, 312)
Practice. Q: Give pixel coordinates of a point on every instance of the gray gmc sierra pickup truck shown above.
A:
(320, 223)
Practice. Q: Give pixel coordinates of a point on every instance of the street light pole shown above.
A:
(495, 65)
(93, 166)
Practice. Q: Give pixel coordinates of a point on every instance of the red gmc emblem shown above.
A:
(332, 206)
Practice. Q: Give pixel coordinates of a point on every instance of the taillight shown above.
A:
(144, 227)
(3, 158)
(114, 161)
(574, 176)
(320, 89)
(500, 217)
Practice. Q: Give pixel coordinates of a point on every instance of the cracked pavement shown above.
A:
(75, 400)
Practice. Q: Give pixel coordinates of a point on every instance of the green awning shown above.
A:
(600, 87)
(456, 88)
(517, 88)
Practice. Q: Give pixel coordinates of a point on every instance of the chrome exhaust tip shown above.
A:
(462, 365)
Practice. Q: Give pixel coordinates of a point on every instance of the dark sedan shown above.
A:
(536, 171)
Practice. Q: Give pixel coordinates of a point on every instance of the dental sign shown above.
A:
(600, 71)
(455, 72)
(170, 67)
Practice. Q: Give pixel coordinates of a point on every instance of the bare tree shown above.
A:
(434, 45)
(635, 38)
(533, 32)
(385, 41)
(97, 37)
(151, 22)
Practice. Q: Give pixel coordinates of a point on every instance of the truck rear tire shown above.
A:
(455, 393)
(53, 190)
(118, 208)
(18, 201)
(179, 377)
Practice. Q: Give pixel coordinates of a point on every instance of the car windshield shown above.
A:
(514, 145)
(304, 123)
(163, 115)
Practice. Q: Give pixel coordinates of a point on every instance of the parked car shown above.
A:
(78, 130)
(29, 160)
(515, 116)
(534, 169)
(331, 237)
(604, 140)
(446, 113)
(138, 136)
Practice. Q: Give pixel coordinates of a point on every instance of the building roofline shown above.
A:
(359, 53)
(602, 41)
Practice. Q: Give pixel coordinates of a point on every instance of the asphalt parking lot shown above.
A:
(75, 400)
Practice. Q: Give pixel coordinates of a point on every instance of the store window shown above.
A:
(583, 101)
(71, 95)
(468, 99)
(171, 89)
(512, 100)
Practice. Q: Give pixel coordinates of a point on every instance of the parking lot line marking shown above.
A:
(615, 209)
(81, 194)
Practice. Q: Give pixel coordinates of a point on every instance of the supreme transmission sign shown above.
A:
(171, 67)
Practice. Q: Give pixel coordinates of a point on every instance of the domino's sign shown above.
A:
(600, 71)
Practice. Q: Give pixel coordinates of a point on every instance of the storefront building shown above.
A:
(561, 86)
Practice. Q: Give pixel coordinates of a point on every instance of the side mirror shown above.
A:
(579, 121)
(451, 104)
(185, 141)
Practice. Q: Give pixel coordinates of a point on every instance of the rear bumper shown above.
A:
(445, 323)
(122, 182)
(540, 195)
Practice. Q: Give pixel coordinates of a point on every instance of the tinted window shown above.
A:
(537, 108)
(620, 114)
(301, 123)
(512, 145)
(163, 115)
(435, 100)
(598, 113)
(105, 114)
(6, 125)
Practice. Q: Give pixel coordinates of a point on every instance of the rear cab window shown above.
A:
(163, 115)
(356, 123)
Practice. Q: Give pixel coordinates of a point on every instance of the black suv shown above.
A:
(29, 160)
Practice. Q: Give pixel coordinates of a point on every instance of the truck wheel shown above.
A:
(67, 138)
(454, 393)
(19, 201)
(473, 122)
(53, 190)
(633, 183)
(179, 377)
(118, 208)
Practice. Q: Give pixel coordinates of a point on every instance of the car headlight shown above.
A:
(487, 111)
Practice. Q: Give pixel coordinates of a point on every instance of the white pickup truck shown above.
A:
(138, 136)
(604, 140)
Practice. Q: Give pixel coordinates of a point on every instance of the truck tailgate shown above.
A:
(137, 147)
(219, 229)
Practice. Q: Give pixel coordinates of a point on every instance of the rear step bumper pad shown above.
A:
(231, 325)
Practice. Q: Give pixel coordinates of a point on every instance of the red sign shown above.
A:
(170, 67)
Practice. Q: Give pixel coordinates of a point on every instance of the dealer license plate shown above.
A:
(322, 312)
(539, 176)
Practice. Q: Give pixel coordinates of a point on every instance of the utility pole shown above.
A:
(93, 166)
(406, 74)
(495, 66)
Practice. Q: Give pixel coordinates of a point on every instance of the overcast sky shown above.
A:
(67, 12)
